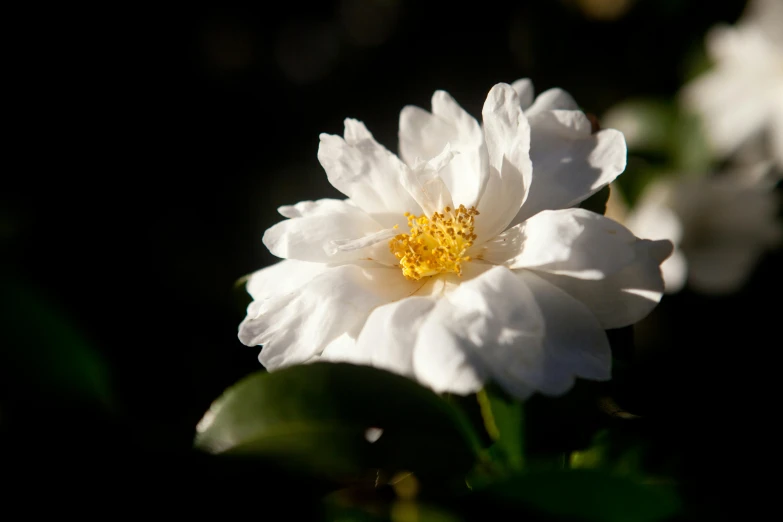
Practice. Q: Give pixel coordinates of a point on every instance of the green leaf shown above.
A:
(317, 415)
(597, 202)
(504, 421)
(587, 495)
(42, 345)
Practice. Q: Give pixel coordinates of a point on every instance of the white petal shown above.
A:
(507, 135)
(652, 217)
(767, 15)
(675, 272)
(367, 173)
(515, 329)
(318, 208)
(442, 360)
(626, 296)
(525, 91)
(551, 100)
(423, 136)
(722, 267)
(389, 335)
(324, 225)
(424, 182)
(341, 349)
(776, 135)
(279, 279)
(574, 341)
(729, 222)
(296, 326)
(569, 162)
(352, 245)
(574, 242)
(732, 105)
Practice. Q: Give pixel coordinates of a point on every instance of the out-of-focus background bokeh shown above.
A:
(164, 143)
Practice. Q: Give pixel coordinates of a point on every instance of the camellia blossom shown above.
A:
(463, 260)
(741, 97)
(720, 225)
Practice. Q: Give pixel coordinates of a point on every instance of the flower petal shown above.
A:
(551, 100)
(569, 163)
(574, 242)
(507, 135)
(282, 278)
(733, 104)
(653, 217)
(525, 91)
(296, 326)
(387, 339)
(443, 359)
(341, 349)
(423, 136)
(722, 267)
(626, 296)
(574, 341)
(516, 329)
(328, 231)
(366, 172)
(424, 182)
(675, 272)
(319, 207)
(776, 135)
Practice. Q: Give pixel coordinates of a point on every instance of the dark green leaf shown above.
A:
(317, 415)
(42, 345)
(586, 495)
(597, 202)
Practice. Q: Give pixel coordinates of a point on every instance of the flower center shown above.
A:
(435, 244)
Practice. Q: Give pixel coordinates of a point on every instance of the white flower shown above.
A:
(419, 271)
(742, 96)
(720, 226)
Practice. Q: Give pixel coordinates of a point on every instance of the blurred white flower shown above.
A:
(741, 98)
(460, 262)
(720, 226)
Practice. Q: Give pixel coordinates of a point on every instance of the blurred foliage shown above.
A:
(662, 140)
(586, 495)
(44, 354)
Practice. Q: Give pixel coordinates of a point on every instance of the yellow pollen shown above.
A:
(436, 244)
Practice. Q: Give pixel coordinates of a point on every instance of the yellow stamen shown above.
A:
(436, 244)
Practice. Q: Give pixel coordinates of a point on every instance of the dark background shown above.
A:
(161, 144)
